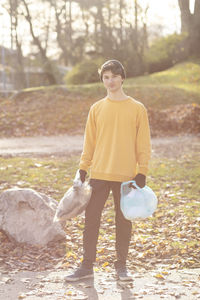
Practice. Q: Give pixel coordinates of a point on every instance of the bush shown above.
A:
(166, 52)
(84, 72)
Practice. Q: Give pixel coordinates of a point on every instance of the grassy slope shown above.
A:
(56, 110)
(181, 82)
(177, 85)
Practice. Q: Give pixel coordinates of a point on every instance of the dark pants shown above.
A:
(100, 193)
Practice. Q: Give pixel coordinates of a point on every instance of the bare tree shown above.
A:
(47, 65)
(82, 28)
(21, 81)
(61, 32)
(12, 7)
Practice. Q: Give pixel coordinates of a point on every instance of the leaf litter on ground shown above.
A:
(169, 239)
(59, 111)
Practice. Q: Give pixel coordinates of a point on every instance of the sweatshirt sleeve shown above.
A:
(143, 142)
(89, 141)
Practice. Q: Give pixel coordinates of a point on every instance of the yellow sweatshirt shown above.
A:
(117, 140)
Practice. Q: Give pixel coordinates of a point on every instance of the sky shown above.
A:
(165, 12)
(161, 12)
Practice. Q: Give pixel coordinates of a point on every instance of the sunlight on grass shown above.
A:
(183, 73)
(50, 176)
(43, 88)
(56, 175)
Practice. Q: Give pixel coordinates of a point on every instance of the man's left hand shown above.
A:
(140, 180)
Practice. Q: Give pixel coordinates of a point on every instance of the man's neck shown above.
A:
(118, 95)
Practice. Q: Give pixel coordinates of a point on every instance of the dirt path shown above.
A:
(68, 144)
(41, 145)
(177, 284)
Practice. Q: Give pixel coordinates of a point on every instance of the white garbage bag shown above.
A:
(137, 203)
(75, 200)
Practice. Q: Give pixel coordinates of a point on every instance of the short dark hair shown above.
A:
(114, 66)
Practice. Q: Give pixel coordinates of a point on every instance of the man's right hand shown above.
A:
(83, 174)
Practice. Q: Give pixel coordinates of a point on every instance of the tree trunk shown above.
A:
(60, 40)
(136, 26)
(185, 15)
(109, 19)
(121, 22)
(102, 34)
(70, 33)
(19, 80)
(190, 24)
(196, 28)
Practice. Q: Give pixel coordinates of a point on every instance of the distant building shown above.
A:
(11, 79)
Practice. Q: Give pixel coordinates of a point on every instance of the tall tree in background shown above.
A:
(63, 27)
(47, 64)
(12, 7)
(190, 23)
(136, 40)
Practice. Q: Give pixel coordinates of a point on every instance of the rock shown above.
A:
(26, 216)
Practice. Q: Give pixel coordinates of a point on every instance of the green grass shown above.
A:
(181, 175)
(50, 176)
(56, 174)
(89, 90)
(183, 73)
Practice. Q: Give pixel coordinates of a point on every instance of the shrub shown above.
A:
(84, 72)
(165, 52)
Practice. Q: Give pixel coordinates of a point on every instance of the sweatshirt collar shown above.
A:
(118, 101)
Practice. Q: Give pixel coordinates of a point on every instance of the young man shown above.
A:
(116, 148)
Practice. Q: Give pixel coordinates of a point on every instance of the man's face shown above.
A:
(111, 81)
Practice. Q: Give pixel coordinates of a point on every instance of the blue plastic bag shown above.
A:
(137, 203)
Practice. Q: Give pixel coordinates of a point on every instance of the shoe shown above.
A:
(123, 274)
(80, 273)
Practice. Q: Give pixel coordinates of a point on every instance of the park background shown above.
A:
(49, 55)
